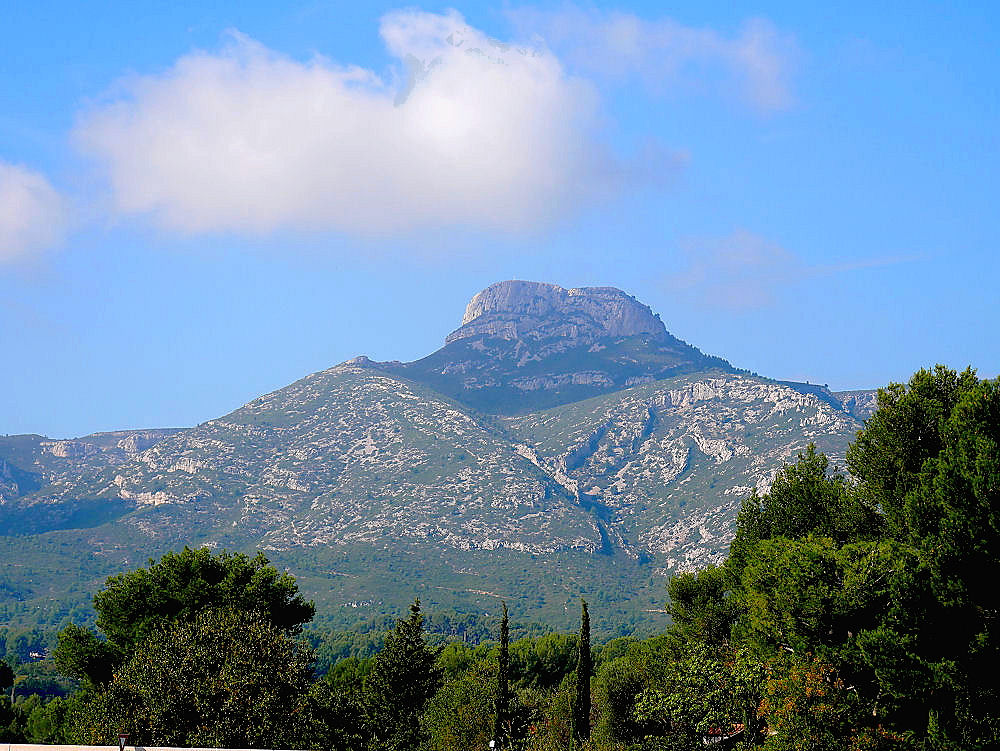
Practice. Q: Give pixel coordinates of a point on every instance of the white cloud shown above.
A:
(743, 271)
(755, 64)
(739, 271)
(32, 213)
(480, 134)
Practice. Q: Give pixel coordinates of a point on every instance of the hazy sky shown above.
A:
(201, 202)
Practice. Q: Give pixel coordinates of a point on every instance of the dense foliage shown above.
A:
(854, 612)
(226, 679)
(404, 678)
(134, 605)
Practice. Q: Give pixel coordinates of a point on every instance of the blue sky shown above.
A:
(202, 202)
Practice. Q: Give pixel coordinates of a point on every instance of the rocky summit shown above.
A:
(518, 311)
(524, 346)
(561, 442)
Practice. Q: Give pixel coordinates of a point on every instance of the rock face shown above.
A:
(516, 310)
(861, 404)
(30, 462)
(525, 346)
(353, 455)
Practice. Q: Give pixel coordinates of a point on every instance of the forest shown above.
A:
(857, 609)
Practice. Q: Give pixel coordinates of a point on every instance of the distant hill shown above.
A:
(562, 442)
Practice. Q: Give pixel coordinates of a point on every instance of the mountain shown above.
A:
(29, 463)
(560, 442)
(524, 346)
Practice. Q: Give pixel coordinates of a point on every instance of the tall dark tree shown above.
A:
(501, 720)
(701, 606)
(807, 571)
(6, 677)
(404, 677)
(584, 667)
(82, 655)
(936, 650)
(905, 431)
(179, 585)
(805, 498)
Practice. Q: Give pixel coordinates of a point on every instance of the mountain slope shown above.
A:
(353, 455)
(445, 476)
(667, 463)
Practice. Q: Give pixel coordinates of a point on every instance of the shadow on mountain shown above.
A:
(35, 519)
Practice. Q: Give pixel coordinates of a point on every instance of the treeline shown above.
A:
(204, 649)
(441, 626)
(853, 612)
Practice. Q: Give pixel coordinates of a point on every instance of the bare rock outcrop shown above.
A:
(861, 404)
(515, 310)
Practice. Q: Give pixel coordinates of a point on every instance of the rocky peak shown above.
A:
(517, 310)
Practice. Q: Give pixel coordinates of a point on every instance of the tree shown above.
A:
(404, 677)
(807, 596)
(6, 677)
(905, 431)
(176, 588)
(82, 655)
(704, 690)
(620, 682)
(804, 499)
(179, 585)
(545, 661)
(875, 600)
(458, 716)
(808, 707)
(700, 606)
(584, 667)
(48, 724)
(788, 593)
(224, 680)
(935, 651)
(330, 719)
(501, 717)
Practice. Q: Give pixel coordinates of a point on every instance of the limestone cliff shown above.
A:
(524, 346)
(516, 309)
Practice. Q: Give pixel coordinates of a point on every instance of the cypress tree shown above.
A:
(581, 707)
(501, 721)
(7, 678)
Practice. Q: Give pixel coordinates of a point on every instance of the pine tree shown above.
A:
(581, 707)
(501, 721)
(404, 677)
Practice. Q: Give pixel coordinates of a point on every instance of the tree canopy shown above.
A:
(905, 431)
(179, 585)
(225, 679)
(805, 498)
(936, 649)
(176, 588)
